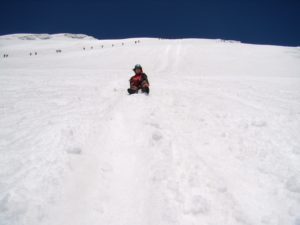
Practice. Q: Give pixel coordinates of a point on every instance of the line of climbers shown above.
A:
(84, 48)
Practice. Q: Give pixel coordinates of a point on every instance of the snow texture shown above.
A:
(217, 141)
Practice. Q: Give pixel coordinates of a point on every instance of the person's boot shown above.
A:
(131, 91)
(146, 90)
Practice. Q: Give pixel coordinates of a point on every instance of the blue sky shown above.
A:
(252, 21)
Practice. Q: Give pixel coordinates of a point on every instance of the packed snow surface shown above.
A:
(217, 141)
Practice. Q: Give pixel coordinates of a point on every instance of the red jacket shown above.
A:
(139, 79)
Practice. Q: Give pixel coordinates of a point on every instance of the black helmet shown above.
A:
(137, 66)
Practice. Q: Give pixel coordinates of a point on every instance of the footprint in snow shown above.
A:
(74, 150)
(259, 123)
(155, 125)
(157, 136)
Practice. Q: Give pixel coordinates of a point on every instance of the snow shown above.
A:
(216, 141)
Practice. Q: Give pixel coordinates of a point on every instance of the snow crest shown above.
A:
(31, 37)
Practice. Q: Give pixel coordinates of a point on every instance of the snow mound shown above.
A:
(78, 36)
(30, 37)
(228, 41)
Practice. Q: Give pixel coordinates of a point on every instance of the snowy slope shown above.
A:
(216, 142)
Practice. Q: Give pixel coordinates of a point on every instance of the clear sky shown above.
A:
(251, 21)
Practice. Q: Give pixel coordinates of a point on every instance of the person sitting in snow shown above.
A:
(138, 81)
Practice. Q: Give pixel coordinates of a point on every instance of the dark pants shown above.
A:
(134, 88)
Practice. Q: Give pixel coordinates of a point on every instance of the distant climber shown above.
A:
(138, 81)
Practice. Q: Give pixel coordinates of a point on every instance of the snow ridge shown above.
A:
(30, 37)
